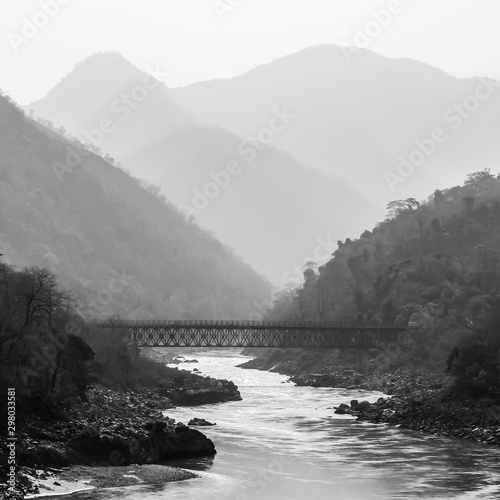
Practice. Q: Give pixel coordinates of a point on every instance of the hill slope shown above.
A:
(118, 246)
(273, 210)
(272, 201)
(354, 119)
(434, 267)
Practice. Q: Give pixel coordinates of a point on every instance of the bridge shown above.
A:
(153, 333)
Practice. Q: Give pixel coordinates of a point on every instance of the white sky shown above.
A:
(189, 40)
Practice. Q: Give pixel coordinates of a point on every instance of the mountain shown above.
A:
(261, 212)
(117, 245)
(277, 213)
(357, 113)
(108, 102)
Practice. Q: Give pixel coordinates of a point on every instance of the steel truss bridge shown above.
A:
(254, 334)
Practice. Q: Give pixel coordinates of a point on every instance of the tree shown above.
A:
(40, 297)
(479, 177)
(397, 207)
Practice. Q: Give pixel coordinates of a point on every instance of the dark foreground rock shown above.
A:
(224, 391)
(201, 422)
(111, 428)
(157, 443)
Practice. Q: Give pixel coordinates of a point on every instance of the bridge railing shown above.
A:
(111, 323)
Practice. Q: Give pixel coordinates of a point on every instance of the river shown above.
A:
(285, 442)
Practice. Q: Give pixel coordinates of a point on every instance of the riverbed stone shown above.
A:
(343, 409)
(200, 422)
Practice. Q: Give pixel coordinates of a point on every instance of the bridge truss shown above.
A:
(253, 334)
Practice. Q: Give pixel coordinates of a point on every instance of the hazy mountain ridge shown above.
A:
(120, 248)
(107, 87)
(257, 199)
(354, 121)
(274, 210)
(355, 118)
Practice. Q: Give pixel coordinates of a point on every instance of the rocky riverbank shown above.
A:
(426, 402)
(186, 388)
(435, 413)
(316, 368)
(111, 428)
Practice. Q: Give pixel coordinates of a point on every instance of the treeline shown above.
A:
(49, 355)
(434, 266)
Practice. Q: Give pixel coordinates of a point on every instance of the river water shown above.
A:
(285, 442)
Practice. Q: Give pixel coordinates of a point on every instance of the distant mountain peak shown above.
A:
(92, 73)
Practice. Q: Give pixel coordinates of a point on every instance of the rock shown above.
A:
(343, 409)
(103, 450)
(363, 406)
(192, 397)
(354, 403)
(416, 403)
(45, 454)
(155, 426)
(200, 421)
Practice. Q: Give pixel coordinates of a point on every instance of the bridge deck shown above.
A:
(151, 333)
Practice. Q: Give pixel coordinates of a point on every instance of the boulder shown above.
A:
(343, 409)
(363, 406)
(200, 421)
(183, 443)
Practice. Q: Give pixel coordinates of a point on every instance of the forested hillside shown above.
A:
(432, 266)
(119, 246)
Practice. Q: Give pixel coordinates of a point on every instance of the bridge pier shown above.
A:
(363, 360)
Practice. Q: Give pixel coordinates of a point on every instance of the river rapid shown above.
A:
(285, 442)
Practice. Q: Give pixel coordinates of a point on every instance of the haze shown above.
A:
(365, 126)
